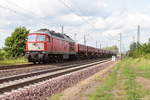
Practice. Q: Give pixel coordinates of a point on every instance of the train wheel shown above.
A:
(54, 58)
(58, 58)
(34, 62)
(48, 59)
(61, 59)
(39, 62)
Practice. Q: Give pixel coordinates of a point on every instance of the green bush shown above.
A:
(140, 50)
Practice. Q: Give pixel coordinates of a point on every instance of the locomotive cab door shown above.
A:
(71, 47)
(49, 43)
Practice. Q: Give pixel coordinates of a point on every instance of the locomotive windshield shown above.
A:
(40, 38)
(36, 38)
(31, 37)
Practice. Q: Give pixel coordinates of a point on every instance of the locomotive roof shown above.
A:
(53, 33)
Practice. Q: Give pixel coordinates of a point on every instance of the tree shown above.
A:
(137, 49)
(2, 54)
(15, 44)
(133, 46)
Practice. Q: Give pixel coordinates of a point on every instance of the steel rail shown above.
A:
(35, 77)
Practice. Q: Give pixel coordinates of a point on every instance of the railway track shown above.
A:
(6, 67)
(23, 70)
(18, 81)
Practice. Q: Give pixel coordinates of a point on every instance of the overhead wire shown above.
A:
(20, 13)
(16, 5)
(83, 18)
(14, 11)
(70, 8)
(110, 38)
(87, 21)
(66, 5)
(3, 7)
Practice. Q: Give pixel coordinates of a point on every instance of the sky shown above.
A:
(97, 20)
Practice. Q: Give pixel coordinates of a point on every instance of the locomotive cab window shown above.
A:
(47, 39)
(40, 38)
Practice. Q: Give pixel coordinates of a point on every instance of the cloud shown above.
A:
(3, 35)
(99, 20)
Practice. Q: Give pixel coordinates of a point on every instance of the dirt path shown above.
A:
(144, 82)
(82, 90)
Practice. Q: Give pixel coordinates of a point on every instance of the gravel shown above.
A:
(40, 91)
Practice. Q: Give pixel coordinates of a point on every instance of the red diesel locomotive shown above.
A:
(47, 46)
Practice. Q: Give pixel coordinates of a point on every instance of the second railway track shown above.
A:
(18, 81)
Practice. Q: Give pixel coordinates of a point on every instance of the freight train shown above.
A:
(44, 46)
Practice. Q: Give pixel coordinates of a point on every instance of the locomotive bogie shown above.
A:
(35, 56)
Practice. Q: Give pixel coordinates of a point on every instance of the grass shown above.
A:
(121, 84)
(133, 90)
(143, 68)
(13, 61)
(103, 93)
(56, 96)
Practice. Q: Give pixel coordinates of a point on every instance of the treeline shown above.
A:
(112, 48)
(140, 50)
(14, 44)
